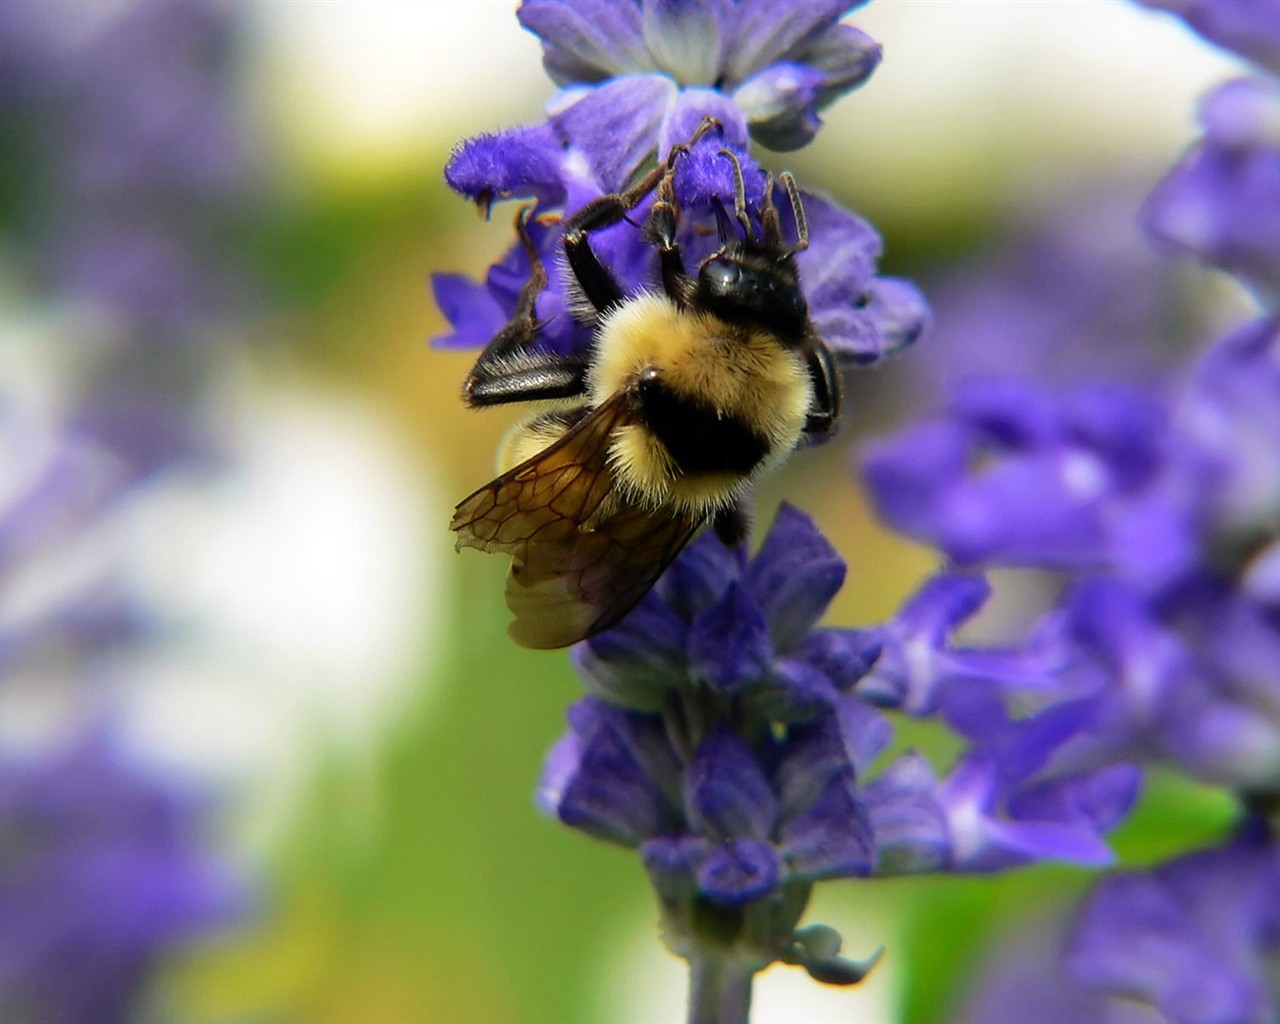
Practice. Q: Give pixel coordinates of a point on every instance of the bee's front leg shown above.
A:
(506, 370)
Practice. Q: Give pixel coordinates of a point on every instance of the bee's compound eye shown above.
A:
(722, 277)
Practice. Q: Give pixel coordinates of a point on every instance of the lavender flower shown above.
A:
(739, 765)
(1195, 938)
(732, 745)
(101, 877)
(862, 317)
(729, 739)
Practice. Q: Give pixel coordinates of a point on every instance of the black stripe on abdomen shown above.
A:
(699, 439)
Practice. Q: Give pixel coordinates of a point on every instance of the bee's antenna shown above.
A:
(739, 193)
(797, 210)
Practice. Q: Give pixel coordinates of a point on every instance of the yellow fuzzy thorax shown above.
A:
(742, 373)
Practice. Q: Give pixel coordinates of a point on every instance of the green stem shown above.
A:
(719, 990)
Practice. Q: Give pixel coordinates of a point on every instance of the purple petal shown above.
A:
(837, 267)
(687, 38)
(794, 576)
(1244, 112)
(832, 837)
(907, 821)
(818, 750)
(522, 161)
(588, 40)
(700, 576)
(942, 604)
(781, 105)
(470, 308)
(767, 32)
(703, 174)
(614, 126)
(729, 643)
(846, 56)
(738, 871)
(1158, 937)
(910, 474)
(844, 656)
(611, 795)
(558, 769)
(1251, 28)
(725, 789)
(1222, 205)
(794, 692)
(1098, 799)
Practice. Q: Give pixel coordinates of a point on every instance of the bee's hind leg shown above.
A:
(824, 375)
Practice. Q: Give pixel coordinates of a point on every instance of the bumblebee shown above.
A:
(686, 396)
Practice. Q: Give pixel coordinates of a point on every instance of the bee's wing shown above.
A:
(581, 560)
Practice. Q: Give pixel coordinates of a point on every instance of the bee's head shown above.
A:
(754, 289)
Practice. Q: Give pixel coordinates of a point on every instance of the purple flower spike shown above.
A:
(1195, 939)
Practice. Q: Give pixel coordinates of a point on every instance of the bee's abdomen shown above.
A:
(699, 438)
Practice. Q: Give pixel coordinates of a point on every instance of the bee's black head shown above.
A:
(750, 287)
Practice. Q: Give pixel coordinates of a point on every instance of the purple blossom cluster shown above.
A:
(623, 106)
(729, 739)
(127, 166)
(101, 877)
(1146, 513)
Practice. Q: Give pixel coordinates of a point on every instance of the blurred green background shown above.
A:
(388, 742)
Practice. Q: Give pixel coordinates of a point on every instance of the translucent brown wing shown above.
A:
(581, 555)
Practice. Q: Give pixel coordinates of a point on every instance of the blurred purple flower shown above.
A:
(1193, 941)
(1060, 295)
(136, 157)
(1013, 475)
(129, 169)
(101, 878)
(1250, 28)
(1221, 202)
(1196, 938)
(1164, 511)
